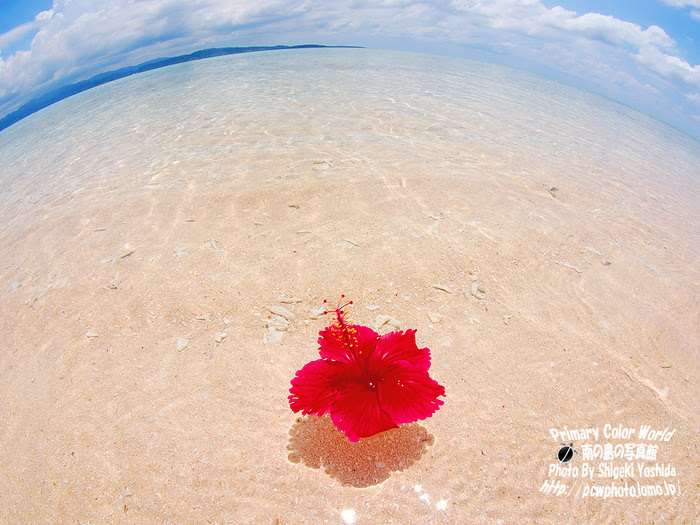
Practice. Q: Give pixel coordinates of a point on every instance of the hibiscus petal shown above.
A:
(347, 345)
(366, 383)
(357, 413)
(399, 348)
(314, 387)
(408, 394)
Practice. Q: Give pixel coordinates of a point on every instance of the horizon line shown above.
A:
(63, 92)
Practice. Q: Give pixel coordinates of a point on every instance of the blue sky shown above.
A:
(643, 53)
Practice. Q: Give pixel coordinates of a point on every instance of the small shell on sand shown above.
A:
(288, 300)
(282, 312)
(478, 290)
(552, 189)
(570, 266)
(316, 313)
(387, 320)
(181, 343)
(434, 317)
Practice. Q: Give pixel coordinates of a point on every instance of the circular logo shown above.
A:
(566, 452)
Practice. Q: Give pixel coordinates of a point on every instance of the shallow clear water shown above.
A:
(177, 206)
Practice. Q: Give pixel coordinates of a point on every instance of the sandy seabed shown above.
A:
(543, 241)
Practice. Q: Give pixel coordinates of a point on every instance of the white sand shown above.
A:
(145, 220)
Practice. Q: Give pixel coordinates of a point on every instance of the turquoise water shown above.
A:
(542, 240)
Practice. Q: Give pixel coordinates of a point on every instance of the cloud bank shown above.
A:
(641, 66)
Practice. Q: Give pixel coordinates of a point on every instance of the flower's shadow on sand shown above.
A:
(315, 442)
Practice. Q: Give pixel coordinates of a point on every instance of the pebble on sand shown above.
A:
(478, 290)
(387, 320)
(275, 331)
(316, 313)
(114, 283)
(551, 189)
(288, 300)
(282, 312)
(434, 317)
(181, 343)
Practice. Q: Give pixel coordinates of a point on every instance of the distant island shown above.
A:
(62, 92)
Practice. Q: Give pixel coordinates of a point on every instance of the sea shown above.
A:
(168, 240)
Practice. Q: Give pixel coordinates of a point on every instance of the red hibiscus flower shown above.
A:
(366, 383)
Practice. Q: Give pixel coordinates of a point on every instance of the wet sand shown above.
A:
(543, 242)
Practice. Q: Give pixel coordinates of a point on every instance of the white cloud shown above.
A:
(652, 47)
(614, 31)
(682, 3)
(78, 38)
(669, 66)
(531, 18)
(15, 34)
